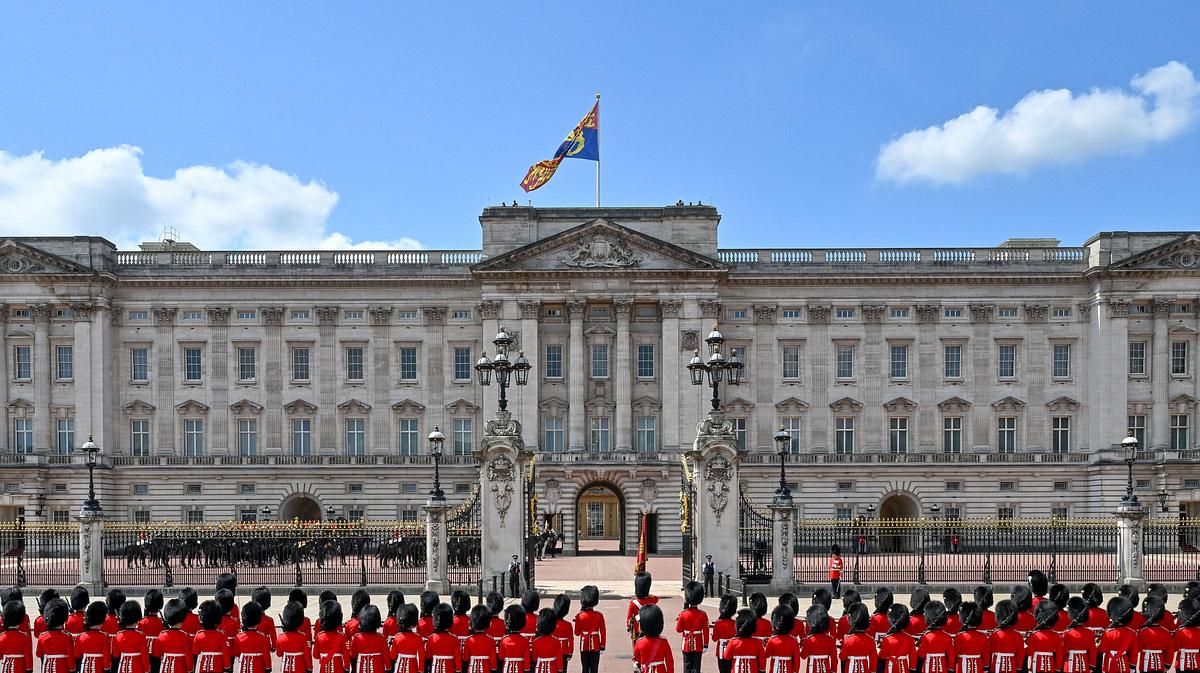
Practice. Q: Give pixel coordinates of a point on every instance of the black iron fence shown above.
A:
(39, 554)
(755, 537)
(957, 551)
(1171, 550)
(464, 544)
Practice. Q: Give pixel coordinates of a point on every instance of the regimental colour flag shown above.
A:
(639, 564)
(582, 143)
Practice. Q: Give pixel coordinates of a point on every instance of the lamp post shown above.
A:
(503, 367)
(1163, 494)
(92, 504)
(871, 510)
(329, 512)
(782, 446)
(715, 367)
(1129, 447)
(264, 513)
(436, 441)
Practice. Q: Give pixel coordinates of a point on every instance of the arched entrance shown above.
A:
(600, 519)
(301, 507)
(898, 513)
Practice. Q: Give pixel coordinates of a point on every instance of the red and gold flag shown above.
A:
(639, 565)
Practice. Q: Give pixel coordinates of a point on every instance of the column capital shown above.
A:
(818, 314)
(273, 315)
(873, 313)
(218, 316)
(764, 314)
(622, 306)
(1036, 312)
(710, 308)
(489, 309)
(40, 312)
(164, 315)
(1162, 306)
(380, 315)
(982, 312)
(927, 313)
(434, 315)
(575, 308)
(670, 307)
(327, 316)
(82, 311)
(530, 310)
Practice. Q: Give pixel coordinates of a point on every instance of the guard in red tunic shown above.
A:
(230, 625)
(14, 594)
(495, 604)
(442, 648)
(1118, 646)
(330, 648)
(563, 629)
(972, 648)
(152, 622)
(783, 651)
(1129, 591)
(724, 630)
(369, 648)
(1006, 644)
(300, 598)
(836, 565)
(113, 600)
(210, 645)
(93, 647)
(76, 623)
(171, 650)
(229, 582)
(952, 599)
(589, 628)
(545, 649)
(513, 651)
(745, 652)
(1097, 619)
(850, 598)
(428, 601)
(858, 653)
(1079, 644)
(1186, 642)
(479, 652)
(262, 596)
(692, 627)
(652, 653)
(1059, 595)
(358, 600)
(460, 603)
(391, 625)
(1168, 619)
(983, 598)
(789, 599)
(1043, 646)
(935, 649)
(130, 649)
(44, 598)
(191, 623)
(897, 650)
(408, 650)
(819, 649)
(1156, 648)
(292, 646)
(1039, 585)
(531, 602)
(16, 646)
(252, 649)
(917, 600)
(762, 625)
(641, 598)
(1022, 597)
(55, 647)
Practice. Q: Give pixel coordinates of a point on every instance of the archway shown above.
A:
(302, 507)
(600, 519)
(896, 514)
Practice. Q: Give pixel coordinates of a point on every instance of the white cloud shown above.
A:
(1047, 127)
(107, 193)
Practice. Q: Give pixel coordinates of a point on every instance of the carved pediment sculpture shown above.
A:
(600, 252)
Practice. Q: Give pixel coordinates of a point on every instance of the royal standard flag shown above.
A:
(582, 143)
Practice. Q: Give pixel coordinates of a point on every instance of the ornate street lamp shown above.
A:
(1129, 447)
(92, 504)
(716, 367)
(264, 513)
(436, 440)
(507, 371)
(871, 510)
(783, 446)
(329, 512)
(1163, 495)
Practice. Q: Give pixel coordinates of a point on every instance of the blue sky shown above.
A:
(401, 121)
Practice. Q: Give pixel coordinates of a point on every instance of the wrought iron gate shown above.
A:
(464, 546)
(686, 521)
(755, 538)
(532, 530)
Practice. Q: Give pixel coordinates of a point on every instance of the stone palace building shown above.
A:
(990, 381)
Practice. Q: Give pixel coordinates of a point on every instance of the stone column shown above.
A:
(623, 376)
(577, 376)
(875, 363)
(530, 345)
(765, 372)
(783, 573)
(489, 313)
(91, 551)
(1129, 544)
(716, 461)
(104, 384)
(821, 362)
(502, 464)
(43, 371)
(1159, 367)
(1037, 379)
(4, 378)
(979, 370)
(163, 440)
(326, 385)
(84, 403)
(271, 375)
(384, 433)
(218, 432)
(925, 380)
(436, 539)
(672, 370)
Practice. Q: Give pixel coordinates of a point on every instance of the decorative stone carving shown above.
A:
(717, 474)
(273, 315)
(489, 309)
(954, 405)
(246, 407)
(502, 426)
(82, 311)
(900, 404)
(575, 308)
(380, 315)
(553, 491)
(715, 425)
(1036, 312)
(1182, 404)
(39, 311)
(501, 473)
(710, 308)
(327, 315)
(408, 408)
(670, 308)
(927, 313)
(164, 315)
(982, 312)
(689, 339)
(1118, 308)
(138, 408)
(1008, 403)
(19, 264)
(1184, 259)
(847, 405)
(434, 315)
(300, 407)
(353, 406)
(873, 313)
(1085, 312)
(1062, 404)
(600, 252)
(191, 408)
(622, 306)
(818, 314)
(764, 315)
(435, 541)
(218, 316)
(791, 406)
(530, 310)
(1161, 306)
(649, 491)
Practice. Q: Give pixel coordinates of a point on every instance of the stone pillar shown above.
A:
(1129, 544)
(1037, 379)
(91, 551)
(1158, 363)
(623, 376)
(672, 370)
(326, 435)
(577, 376)
(84, 404)
(383, 429)
(436, 539)
(272, 372)
(926, 377)
(502, 464)
(104, 384)
(530, 345)
(43, 371)
(979, 371)
(716, 461)
(821, 363)
(489, 314)
(766, 371)
(218, 430)
(783, 573)
(433, 379)
(163, 439)
(4, 379)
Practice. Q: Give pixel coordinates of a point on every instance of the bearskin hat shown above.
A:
(789, 599)
(1092, 594)
(1038, 582)
(952, 599)
(971, 615)
(935, 615)
(758, 603)
(650, 620)
(1189, 613)
(369, 619)
(745, 623)
(641, 584)
(514, 618)
(589, 596)
(823, 598)
(225, 601)
(1046, 615)
(429, 600)
(495, 603)
(45, 597)
(189, 597)
(883, 600)
(325, 595)
(395, 599)
(1023, 597)
(443, 617)
(262, 596)
(530, 600)
(481, 618)
(175, 612)
(153, 601)
(1006, 614)
(252, 614)
(210, 614)
(693, 593)
(859, 618)
(298, 596)
(727, 608)
(1129, 591)
(1153, 610)
(80, 598)
(55, 613)
(983, 596)
(917, 601)
(1120, 611)
(562, 606)
(460, 602)
(226, 581)
(114, 600)
(1059, 594)
(1077, 610)
(817, 619)
(897, 616)
(850, 597)
(291, 619)
(783, 618)
(330, 615)
(409, 617)
(13, 614)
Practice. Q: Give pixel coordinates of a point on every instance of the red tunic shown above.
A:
(878, 627)
(173, 647)
(56, 649)
(408, 651)
(111, 625)
(295, 652)
(988, 621)
(936, 652)
(819, 652)
(306, 629)
(151, 626)
(425, 627)
(252, 652)
(836, 565)
(1079, 650)
(1156, 649)
(1063, 623)
(191, 624)
(898, 652)
(39, 626)
(631, 612)
(1118, 650)
(391, 626)
(350, 628)
(783, 654)
(566, 637)
(723, 631)
(229, 627)
(1026, 622)
(972, 651)
(267, 628)
(916, 626)
(444, 653)
(692, 625)
(589, 627)
(461, 628)
(369, 652)
(953, 624)
(858, 653)
(747, 654)
(93, 651)
(331, 652)
(1008, 651)
(1136, 621)
(1097, 621)
(130, 652)
(495, 628)
(530, 628)
(16, 651)
(762, 629)
(1043, 651)
(1168, 621)
(75, 623)
(513, 653)
(212, 652)
(1187, 649)
(547, 655)
(654, 655)
(479, 654)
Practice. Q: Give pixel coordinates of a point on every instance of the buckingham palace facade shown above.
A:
(991, 381)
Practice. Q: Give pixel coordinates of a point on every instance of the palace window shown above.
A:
(898, 312)
(1137, 358)
(1007, 363)
(845, 362)
(352, 315)
(1006, 312)
(193, 365)
(247, 315)
(791, 313)
(1179, 358)
(791, 363)
(646, 426)
(193, 437)
(247, 437)
(1137, 428)
(246, 364)
(65, 435)
(464, 436)
(1060, 434)
(408, 364)
(952, 361)
(23, 435)
(1062, 312)
(844, 313)
(23, 363)
(952, 434)
(409, 436)
(645, 361)
(139, 365)
(791, 425)
(1006, 434)
(601, 434)
(301, 436)
(139, 316)
(354, 363)
(952, 313)
(1062, 361)
(356, 436)
(462, 364)
(898, 435)
(192, 316)
(739, 431)
(554, 361)
(65, 356)
(300, 360)
(300, 315)
(554, 437)
(1179, 431)
(600, 361)
(899, 363)
(844, 434)
(139, 437)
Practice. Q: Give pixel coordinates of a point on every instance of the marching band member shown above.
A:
(368, 647)
(972, 647)
(724, 630)
(563, 629)
(16, 646)
(293, 646)
(545, 649)
(130, 651)
(858, 653)
(819, 649)
(513, 651)
(935, 649)
(1155, 643)
(589, 628)
(897, 650)
(210, 646)
(172, 648)
(251, 649)
(1186, 642)
(1079, 643)
(55, 647)
(783, 650)
(408, 649)
(442, 649)
(1043, 646)
(692, 625)
(479, 652)
(1118, 646)
(652, 653)
(1006, 644)
(329, 645)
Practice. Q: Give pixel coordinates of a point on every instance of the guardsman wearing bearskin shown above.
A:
(1079, 643)
(479, 652)
(443, 649)
(1043, 646)
(1118, 646)
(329, 645)
(692, 627)
(408, 649)
(589, 628)
(952, 599)
(251, 649)
(513, 651)
(1186, 642)
(652, 653)
(130, 650)
(935, 649)
(783, 651)
(858, 653)
(641, 598)
(897, 650)
(1006, 644)
(369, 648)
(1156, 648)
(879, 621)
(16, 645)
(292, 645)
(172, 648)
(724, 630)
(746, 652)
(55, 647)
(819, 649)
(972, 647)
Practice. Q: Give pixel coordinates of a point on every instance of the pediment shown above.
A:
(900, 404)
(1062, 404)
(739, 406)
(553, 406)
(409, 407)
(191, 407)
(791, 405)
(138, 407)
(646, 405)
(954, 404)
(353, 406)
(461, 406)
(846, 404)
(300, 407)
(1182, 403)
(16, 258)
(20, 403)
(1183, 331)
(1182, 253)
(600, 246)
(1009, 403)
(246, 407)
(600, 404)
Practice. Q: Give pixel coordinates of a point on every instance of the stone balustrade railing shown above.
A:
(1068, 259)
(293, 259)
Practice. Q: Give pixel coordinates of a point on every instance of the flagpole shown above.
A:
(597, 155)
